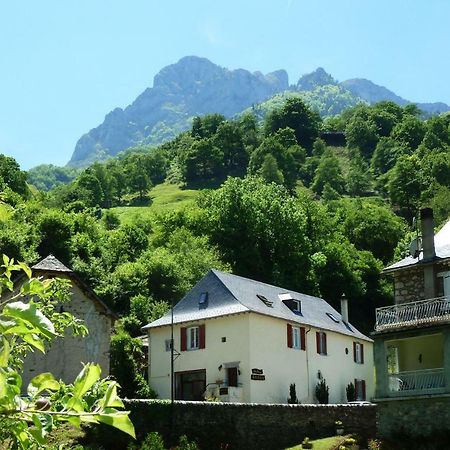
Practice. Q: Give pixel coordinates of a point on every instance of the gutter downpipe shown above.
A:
(307, 360)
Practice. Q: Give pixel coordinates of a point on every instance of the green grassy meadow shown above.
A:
(163, 197)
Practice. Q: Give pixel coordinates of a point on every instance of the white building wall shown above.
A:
(234, 328)
(260, 342)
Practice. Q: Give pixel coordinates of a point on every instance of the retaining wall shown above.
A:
(248, 426)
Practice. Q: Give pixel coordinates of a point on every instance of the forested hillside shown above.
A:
(266, 200)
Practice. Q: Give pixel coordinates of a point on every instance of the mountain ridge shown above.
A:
(196, 86)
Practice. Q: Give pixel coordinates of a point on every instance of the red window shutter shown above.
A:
(289, 335)
(318, 342)
(354, 351)
(362, 353)
(325, 344)
(201, 337)
(183, 339)
(302, 338)
(363, 389)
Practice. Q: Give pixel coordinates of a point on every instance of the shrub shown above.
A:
(292, 400)
(351, 392)
(322, 392)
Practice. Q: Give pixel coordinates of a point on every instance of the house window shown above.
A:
(358, 353)
(321, 341)
(296, 337)
(168, 346)
(192, 338)
(360, 388)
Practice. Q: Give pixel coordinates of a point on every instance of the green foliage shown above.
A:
(405, 185)
(12, 177)
(296, 115)
(271, 224)
(128, 365)
(288, 155)
(47, 176)
(328, 172)
(292, 400)
(322, 392)
(270, 171)
(350, 392)
(27, 327)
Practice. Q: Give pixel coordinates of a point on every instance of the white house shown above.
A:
(245, 341)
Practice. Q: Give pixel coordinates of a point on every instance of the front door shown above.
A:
(190, 385)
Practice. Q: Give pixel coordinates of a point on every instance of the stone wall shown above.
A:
(65, 356)
(414, 418)
(247, 426)
(409, 285)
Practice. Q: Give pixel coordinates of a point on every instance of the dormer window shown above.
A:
(297, 306)
(292, 303)
(203, 300)
(265, 300)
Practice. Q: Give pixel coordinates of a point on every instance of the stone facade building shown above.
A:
(412, 338)
(65, 356)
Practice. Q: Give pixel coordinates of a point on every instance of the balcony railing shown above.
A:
(416, 381)
(423, 312)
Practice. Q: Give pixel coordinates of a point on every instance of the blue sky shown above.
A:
(66, 64)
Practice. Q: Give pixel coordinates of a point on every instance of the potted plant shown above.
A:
(339, 427)
(307, 443)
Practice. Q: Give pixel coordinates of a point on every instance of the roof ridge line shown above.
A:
(227, 288)
(267, 284)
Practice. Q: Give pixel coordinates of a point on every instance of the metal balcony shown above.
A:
(417, 381)
(424, 312)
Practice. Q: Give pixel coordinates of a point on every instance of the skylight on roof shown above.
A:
(285, 296)
(203, 300)
(265, 301)
(332, 317)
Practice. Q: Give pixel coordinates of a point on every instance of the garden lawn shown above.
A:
(323, 444)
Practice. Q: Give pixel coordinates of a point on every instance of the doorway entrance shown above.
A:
(190, 385)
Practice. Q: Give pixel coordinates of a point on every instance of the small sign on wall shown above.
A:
(255, 376)
(258, 374)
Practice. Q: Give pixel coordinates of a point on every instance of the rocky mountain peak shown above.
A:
(318, 77)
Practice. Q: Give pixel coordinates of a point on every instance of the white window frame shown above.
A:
(193, 338)
(296, 338)
(358, 353)
(297, 306)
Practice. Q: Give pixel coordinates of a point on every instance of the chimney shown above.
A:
(426, 216)
(427, 222)
(344, 308)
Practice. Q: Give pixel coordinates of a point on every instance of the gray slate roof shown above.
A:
(51, 264)
(441, 245)
(232, 294)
